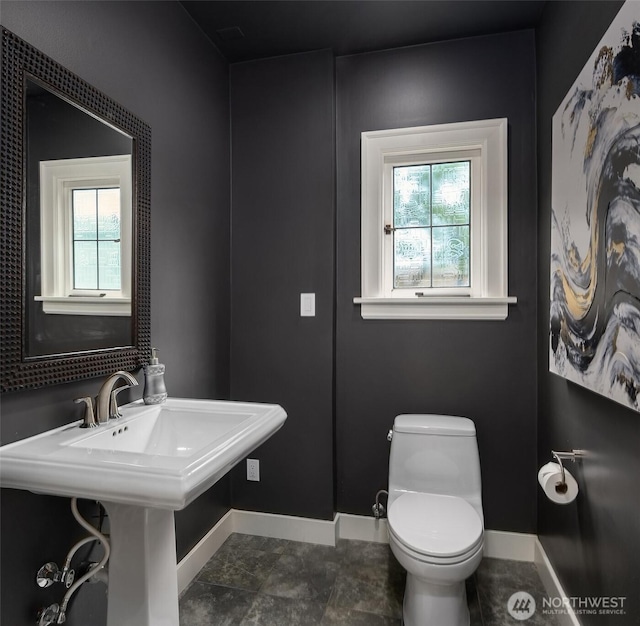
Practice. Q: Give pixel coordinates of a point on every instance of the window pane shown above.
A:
(96, 235)
(451, 256)
(412, 258)
(84, 214)
(109, 260)
(451, 193)
(412, 196)
(85, 265)
(109, 214)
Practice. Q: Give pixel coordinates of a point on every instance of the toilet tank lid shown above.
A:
(434, 425)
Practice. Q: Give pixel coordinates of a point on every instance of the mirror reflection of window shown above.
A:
(86, 236)
(96, 239)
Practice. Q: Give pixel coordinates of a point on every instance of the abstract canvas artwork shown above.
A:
(595, 219)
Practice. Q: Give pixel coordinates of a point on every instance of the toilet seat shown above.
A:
(436, 528)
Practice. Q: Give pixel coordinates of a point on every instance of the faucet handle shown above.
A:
(89, 419)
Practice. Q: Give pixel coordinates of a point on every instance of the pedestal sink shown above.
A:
(142, 467)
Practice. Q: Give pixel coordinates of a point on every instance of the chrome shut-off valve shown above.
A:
(50, 573)
(378, 510)
(51, 615)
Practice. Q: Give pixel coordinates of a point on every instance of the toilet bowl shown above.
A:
(436, 524)
(438, 540)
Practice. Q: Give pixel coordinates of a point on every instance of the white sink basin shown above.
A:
(142, 467)
(155, 456)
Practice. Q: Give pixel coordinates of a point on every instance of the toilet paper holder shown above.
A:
(574, 455)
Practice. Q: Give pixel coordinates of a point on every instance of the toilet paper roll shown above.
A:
(550, 479)
(550, 468)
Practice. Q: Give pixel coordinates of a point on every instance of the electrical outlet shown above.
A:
(253, 469)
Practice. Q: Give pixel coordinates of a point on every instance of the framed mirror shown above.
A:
(75, 242)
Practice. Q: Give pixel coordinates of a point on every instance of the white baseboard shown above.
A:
(250, 523)
(498, 544)
(361, 528)
(285, 527)
(195, 560)
(553, 586)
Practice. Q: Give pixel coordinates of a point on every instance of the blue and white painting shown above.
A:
(595, 219)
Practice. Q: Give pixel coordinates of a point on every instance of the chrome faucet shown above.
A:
(106, 401)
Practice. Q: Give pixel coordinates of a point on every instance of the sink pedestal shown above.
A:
(143, 580)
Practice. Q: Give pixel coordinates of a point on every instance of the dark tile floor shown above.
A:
(274, 582)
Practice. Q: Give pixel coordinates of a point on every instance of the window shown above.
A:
(428, 226)
(434, 222)
(86, 236)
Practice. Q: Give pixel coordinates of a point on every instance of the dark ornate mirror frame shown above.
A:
(17, 372)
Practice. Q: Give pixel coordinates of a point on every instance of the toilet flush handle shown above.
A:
(390, 435)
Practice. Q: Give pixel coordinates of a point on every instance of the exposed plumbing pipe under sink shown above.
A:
(56, 614)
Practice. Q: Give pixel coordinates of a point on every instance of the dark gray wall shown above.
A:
(482, 370)
(150, 58)
(283, 245)
(594, 543)
(283, 242)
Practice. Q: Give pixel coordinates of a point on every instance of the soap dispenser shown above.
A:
(155, 391)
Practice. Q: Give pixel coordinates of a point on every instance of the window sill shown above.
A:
(435, 308)
(61, 305)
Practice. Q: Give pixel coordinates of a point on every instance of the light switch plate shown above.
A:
(307, 305)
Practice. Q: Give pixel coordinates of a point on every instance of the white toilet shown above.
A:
(436, 525)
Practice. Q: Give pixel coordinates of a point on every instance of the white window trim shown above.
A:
(487, 299)
(56, 179)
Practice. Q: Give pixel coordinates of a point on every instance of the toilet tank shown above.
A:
(435, 454)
